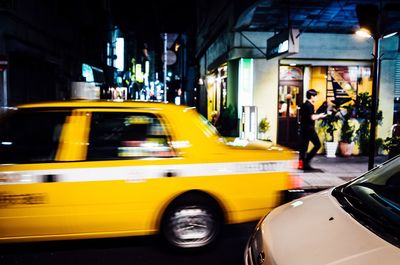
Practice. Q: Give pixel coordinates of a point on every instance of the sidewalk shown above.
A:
(336, 170)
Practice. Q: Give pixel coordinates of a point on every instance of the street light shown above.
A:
(369, 20)
(390, 35)
(364, 32)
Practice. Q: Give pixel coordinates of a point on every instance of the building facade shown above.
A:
(338, 66)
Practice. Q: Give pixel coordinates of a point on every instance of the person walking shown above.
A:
(307, 130)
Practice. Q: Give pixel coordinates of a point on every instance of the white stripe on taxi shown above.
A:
(141, 173)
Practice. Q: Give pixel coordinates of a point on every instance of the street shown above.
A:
(134, 250)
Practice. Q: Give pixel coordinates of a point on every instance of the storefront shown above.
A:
(338, 66)
(216, 83)
(337, 86)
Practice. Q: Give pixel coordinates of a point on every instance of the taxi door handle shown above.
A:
(49, 178)
(170, 174)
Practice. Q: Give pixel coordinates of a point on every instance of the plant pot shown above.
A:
(346, 149)
(330, 148)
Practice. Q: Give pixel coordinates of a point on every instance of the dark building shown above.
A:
(43, 45)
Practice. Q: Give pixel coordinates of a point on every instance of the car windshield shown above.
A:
(374, 200)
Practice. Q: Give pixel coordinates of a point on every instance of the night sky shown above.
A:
(154, 16)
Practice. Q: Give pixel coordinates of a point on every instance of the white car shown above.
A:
(357, 223)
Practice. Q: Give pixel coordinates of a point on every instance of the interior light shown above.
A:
(292, 64)
(363, 32)
(119, 51)
(390, 35)
(210, 79)
(177, 47)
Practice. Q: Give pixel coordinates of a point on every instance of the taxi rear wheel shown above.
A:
(189, 225)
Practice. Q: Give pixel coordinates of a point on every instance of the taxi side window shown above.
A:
(30, 136)
(116, 135)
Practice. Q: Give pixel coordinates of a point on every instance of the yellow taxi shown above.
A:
(89, 169)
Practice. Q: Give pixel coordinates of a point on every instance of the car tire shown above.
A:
(191, 224)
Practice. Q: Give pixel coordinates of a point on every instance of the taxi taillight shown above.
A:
(295, 181)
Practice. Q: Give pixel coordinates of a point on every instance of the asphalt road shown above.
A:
(133, 251)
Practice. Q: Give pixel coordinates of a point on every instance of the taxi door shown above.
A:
(106, 174)
(29, 146)
(120, 178)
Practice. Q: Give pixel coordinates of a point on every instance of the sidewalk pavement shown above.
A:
(335, 171)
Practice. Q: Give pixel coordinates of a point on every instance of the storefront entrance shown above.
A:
(217, 93)
(290, 97)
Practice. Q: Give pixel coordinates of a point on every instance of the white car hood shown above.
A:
(316, 230)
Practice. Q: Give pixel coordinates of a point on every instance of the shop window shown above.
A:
(290, 73)
(344, 83)
(126, 135)
(29, 137)
(222, 72)
(318, 82)
(289, 90)
(289, 99)
(217, 90)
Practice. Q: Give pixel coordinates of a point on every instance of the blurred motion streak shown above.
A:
(84, 169)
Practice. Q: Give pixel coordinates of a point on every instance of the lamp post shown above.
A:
(375, 90)
(369, 16)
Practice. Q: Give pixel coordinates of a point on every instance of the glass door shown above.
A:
(290, 98)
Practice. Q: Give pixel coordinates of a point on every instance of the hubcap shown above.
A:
(192, 227)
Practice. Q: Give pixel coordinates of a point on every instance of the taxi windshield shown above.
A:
(374, 200)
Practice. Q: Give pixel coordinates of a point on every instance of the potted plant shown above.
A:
(379, 146)
(226, 123)
(392, 145)
(263, 128)
(362, 111)
(329, 124)
(346, 143)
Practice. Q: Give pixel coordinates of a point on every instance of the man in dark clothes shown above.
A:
(307, 130)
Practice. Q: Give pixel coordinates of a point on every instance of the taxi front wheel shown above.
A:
(191, 225)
